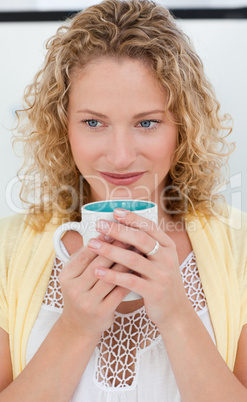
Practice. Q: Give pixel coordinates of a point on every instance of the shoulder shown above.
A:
(224, 231)
(230, 223)
(223, 219)
(14, 225)
(12, 222)
(16, 234)
(11, 227)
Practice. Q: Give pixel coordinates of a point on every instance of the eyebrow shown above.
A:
(135, 117)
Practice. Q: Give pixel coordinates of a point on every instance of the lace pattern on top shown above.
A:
(192, 283)
(130, 334)
(120, 346)
(53, 298)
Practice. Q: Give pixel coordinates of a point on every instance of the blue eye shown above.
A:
(92, 123)
(146, 123)
(149, 124)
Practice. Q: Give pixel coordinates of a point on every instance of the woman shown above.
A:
(122, 109)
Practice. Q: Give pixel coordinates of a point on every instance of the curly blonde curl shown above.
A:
(137, 29)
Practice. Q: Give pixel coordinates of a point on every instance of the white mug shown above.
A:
(94, 211)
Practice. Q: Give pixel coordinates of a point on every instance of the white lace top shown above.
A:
(130, 362)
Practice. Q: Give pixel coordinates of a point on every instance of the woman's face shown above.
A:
(121, 140)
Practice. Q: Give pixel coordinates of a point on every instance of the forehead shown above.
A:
(117, 78)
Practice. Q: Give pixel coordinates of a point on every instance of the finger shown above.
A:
(114, 298)
(101, 288)
(82, 258)
(133, 220)
(139, 239)
(128, 281)
(78, 263)
(129, 258)
(86, 280)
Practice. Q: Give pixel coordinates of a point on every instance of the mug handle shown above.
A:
(76, 226)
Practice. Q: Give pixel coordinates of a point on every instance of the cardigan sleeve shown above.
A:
(10, 229)
(238, 239)
(241, 251)
(4, 262)
(26, 261)
(4, 323)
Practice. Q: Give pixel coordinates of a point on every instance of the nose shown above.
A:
(121, 151)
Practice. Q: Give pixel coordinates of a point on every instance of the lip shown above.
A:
(122, 179)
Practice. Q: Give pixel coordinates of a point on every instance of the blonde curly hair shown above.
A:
(137, 29)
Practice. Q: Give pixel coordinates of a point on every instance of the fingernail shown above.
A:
(102, 225)
(108, 238)
(94, 244)
(121, 213)
(100, 272)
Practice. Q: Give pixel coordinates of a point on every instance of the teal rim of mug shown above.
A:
(110, 205)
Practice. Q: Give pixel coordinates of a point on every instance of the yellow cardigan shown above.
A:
(220, 246)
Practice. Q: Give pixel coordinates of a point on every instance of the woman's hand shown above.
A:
(89, 303)
(158, 278)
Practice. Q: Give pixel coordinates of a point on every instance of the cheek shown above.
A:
(164, 152)
(82, 156)
(86, 154)
(80, 147)
(165, 145)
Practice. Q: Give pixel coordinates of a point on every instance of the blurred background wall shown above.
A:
(218, 30)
